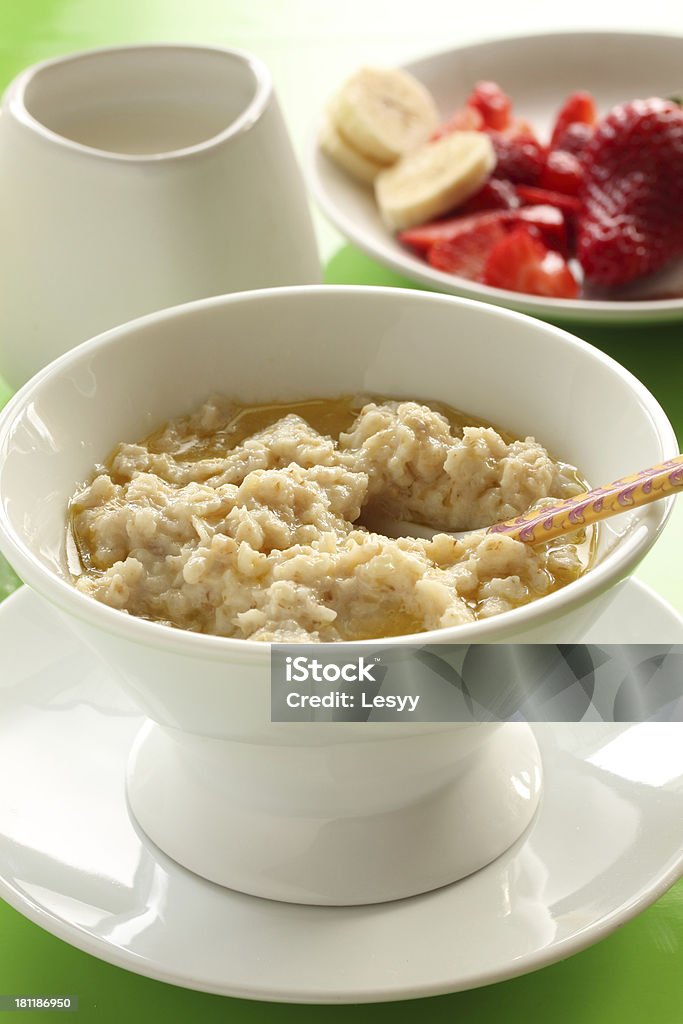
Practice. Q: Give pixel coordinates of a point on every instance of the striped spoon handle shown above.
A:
(543, 524)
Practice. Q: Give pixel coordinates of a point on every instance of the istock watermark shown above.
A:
(334, 694)
(476, 683)
(302, 669)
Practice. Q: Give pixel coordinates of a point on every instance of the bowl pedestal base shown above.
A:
(336, 823)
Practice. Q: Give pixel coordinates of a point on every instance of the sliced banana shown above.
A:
(434, 179)
(338, 150)
(384, 113)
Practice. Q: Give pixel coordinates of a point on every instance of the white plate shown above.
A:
(538, 72)
(606, 842)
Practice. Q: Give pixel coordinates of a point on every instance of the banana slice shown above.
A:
(434, 179)
(384, 113)
(337, 148)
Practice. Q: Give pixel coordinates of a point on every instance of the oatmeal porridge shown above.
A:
(256, 522)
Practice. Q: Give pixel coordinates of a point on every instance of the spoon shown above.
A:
(543, 524)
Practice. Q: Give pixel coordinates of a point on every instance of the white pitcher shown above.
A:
(136, 178)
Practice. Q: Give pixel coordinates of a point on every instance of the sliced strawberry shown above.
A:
(562, 173)
(464, 119)
(467, 253)
(574, 138)
(546, 221)
(579, 108)
(467, 119)
(519, 159)
(496, 194)
(424, 236)
(534, 196)
(519, 128)
(521, 263)
(492, 103)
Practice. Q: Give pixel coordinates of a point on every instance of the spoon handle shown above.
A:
(540, 525)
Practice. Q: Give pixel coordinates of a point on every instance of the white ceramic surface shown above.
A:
(136, 178)
(605, 843)
(538, 72)
(315, 341)
(337, 822)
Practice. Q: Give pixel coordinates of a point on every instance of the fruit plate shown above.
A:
(538, 72)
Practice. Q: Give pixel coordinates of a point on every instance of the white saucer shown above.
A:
(606, 842)
(538, 72)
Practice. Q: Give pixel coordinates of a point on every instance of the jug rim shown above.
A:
(15, 96)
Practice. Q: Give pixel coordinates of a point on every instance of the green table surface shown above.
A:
(635, 975)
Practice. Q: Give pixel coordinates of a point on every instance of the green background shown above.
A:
(636, 975)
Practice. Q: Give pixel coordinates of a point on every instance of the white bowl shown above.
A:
(319, 810)
(538, 72)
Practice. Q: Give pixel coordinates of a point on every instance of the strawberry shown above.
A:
(574, 138)
(544, 197)
(466, 253)
(521, 263)
(579, 108)
(520, 159)
(568, 206)
(423, 237)
(547, 221)
(519, 127)
(496, 194)
(464, 119)
(562, 173)
(632, 219)
(492, 103)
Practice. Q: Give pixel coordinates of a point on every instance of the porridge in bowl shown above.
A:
(256, 522)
